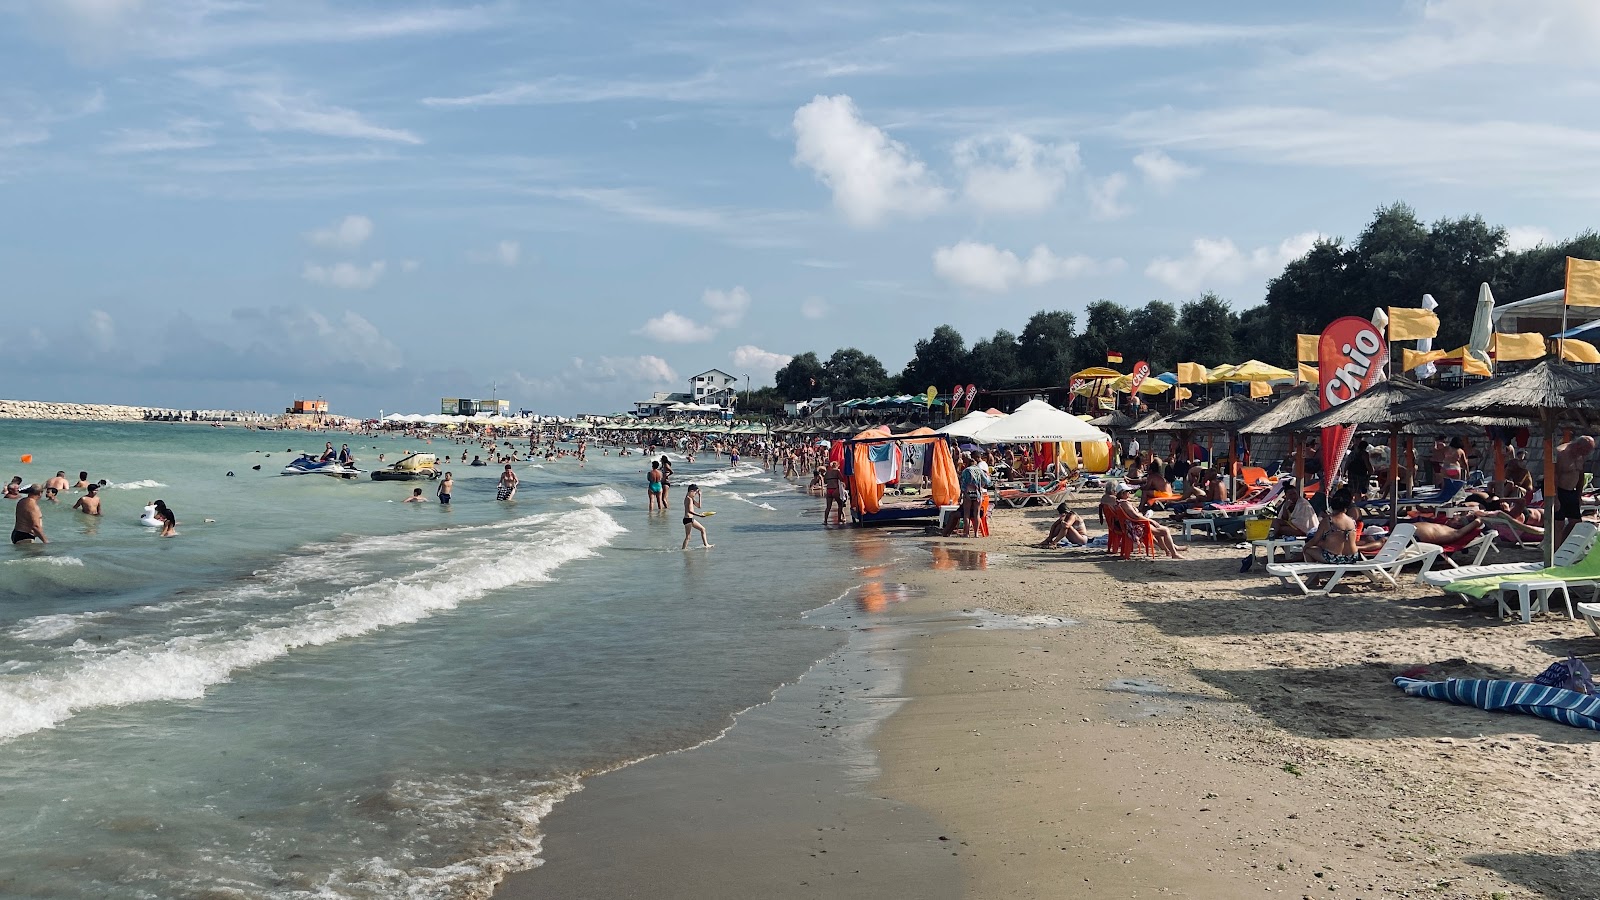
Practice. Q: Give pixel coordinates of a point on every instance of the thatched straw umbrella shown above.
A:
(1384, 405)
(1297, 405)
(1226, 415)
(1116, 419)
(1549, 393)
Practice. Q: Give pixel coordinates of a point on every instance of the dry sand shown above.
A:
(1202, 733)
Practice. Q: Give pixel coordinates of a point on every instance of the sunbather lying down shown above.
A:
(1069, 527)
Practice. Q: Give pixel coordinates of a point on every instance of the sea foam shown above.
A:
(602, 496)
(140, 485)
(184, 666)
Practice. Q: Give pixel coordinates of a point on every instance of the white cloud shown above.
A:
(644, 369)
(1161, 170)
(759, 364)
(1012, 173)
(814, 308)
(1214, 262)
(348, 233)
(871, 175)
(269, 109)
(985, 267)
(346, 275)
(410, 265)
(1526, 237)
(102, 331)
(727, 307)
(1105, 196)
(503, 253)
(814, 263)
(567, 89)
(673, 328)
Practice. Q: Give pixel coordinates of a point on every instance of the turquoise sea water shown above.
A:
(323, 692)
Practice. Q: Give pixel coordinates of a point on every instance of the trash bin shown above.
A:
(1257, 529)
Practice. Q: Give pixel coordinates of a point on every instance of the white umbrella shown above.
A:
(970, 425)
(1426, 370)
(1482, 325)
(1037, 422)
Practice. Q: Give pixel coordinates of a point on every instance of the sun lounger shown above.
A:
(1583, 573)
(1398, 550)
(1482, 543)
(1046, 495)
(1573, 549)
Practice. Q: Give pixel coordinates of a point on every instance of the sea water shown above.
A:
(316, 690)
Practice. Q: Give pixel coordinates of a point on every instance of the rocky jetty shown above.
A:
(105, 412)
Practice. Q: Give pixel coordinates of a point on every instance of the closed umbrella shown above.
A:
(1482, 325)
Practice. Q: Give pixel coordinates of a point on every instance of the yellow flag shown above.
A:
(1512, 347)
(1260, 389)
(1184, 393)
(1309, 373)
(1410, 324)
(1471, 365)
(1306, 345)
(1583, 282)
(1573, 350)
(1410, 359)
(1191, 373)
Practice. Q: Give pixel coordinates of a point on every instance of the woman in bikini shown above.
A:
(1334, 541)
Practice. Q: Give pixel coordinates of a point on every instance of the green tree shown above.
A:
(1046, 349)
(996, 364)
(939, 361)
(802, 378)
(1105, 329)
(1152, 335)
(1205, 332)
(850, 374)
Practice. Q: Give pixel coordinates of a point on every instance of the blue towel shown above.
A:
(1559, 704)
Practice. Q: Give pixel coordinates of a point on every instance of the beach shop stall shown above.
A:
(875, 460)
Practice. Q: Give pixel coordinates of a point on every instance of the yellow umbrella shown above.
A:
(1219, 374)
(1256, 370)
(1150, 386)
(1097, 372)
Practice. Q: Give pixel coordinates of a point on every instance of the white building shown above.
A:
(714, 387)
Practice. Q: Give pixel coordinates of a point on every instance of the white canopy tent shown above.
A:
(970, 424)
(1542, 314)
(1037, 422)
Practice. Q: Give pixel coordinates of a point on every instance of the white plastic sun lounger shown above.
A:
(1398, 550)
(1571, 552)
(1483, 543)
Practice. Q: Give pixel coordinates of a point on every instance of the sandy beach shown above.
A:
(1075, 726)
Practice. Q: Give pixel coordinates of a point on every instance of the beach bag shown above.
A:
(1304, 517)
(1570, 675)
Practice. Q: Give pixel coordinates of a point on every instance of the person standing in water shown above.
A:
(447, 485)
(653, 483)
(168, 519)
(666, 478)
(30, 520)
(89, 504)
(691, 512)
(508, 485)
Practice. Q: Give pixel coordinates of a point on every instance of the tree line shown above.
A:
(1393, 262)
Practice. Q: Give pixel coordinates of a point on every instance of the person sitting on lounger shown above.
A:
(1154, 481)
(1217, 490)
(1285, 526)
(1334, 541)
(1161, 533)
(1068, 527)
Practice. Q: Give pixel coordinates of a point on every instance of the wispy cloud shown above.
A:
(1218, 262)
(567, 89)
(346, 275)
(179, 134)
(504, 253)
(275, 110)
(348, 233)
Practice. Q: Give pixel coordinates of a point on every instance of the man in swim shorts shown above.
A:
(1570, 460)
(446, 487)
(508, 484)
(30, 521)
(691, 511)
(89, 504)
(653, 482)
(55, 486)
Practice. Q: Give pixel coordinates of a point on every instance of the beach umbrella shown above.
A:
(1283, 417)
(1228, 415)
(1387, 405)
(1549, 393)
(1037, 422)
(1256, 370)
(1482, 325)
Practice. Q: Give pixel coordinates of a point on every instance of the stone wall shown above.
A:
(103, 412)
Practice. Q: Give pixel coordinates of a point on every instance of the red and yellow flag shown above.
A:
(1113, 356)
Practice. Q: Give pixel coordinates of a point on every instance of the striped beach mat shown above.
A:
(1559, 704)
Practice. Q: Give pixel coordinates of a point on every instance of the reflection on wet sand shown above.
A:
(875, 596)
(945, 559)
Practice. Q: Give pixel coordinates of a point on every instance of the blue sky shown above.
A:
(233, 203)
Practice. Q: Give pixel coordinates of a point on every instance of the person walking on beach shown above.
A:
(89, 504)
(1570, 459)
(29, 526)
(691, 512)
(832, 486)
(653, 482)
(508, 484)
(974, 481)
(447, 485)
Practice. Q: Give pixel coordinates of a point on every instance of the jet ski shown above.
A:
(307, 465)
